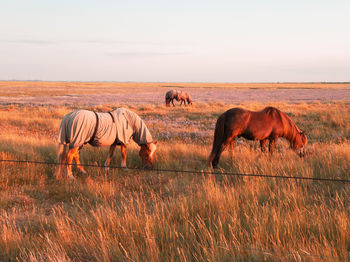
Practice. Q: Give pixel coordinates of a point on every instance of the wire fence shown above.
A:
(295, 178)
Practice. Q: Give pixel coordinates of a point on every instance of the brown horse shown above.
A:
(170, 96)
(184, 97)
(102, 129)
(266, 125)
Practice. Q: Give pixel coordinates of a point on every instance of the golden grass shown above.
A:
(166, 216)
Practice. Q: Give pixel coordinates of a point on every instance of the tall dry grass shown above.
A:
(142, 215)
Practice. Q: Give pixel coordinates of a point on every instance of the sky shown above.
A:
(175, 41)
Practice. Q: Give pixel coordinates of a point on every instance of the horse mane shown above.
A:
(291, 130)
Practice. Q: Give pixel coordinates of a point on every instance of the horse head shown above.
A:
(147, 154)
(189, 99)
(301, 143)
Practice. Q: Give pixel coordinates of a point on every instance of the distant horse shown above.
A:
(170, 96)
(114, 128)
(266, 125)
(184, 97)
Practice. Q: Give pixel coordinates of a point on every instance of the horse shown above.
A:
(117, 127)
(170, 96)
(266, 125)
(184, 97)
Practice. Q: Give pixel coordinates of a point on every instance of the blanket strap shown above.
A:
(116, 141)
(111, 116)
(95, 131)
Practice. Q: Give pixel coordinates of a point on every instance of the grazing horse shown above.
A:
(170, 96)
(184, 97)
(114, 128)
(266, 125)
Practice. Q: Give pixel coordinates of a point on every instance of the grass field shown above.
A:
(139, 215)
(38, 88)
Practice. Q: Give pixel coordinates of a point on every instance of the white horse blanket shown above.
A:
(77, 128)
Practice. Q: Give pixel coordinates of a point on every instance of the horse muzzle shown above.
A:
(302, 152)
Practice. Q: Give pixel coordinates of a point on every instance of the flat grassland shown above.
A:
(102, 93)
(141, 215)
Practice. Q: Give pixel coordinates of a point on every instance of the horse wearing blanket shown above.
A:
(170, 96)
(114, 128)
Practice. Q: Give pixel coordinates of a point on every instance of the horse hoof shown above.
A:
(58, 175)
(71, 177)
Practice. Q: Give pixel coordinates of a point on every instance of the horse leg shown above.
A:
(70, 155)
(263, 145)
(110, 155)
(123, 152)
(232, 145)
(76, 159)
(272, 145)
(60, 158)
(172, 101)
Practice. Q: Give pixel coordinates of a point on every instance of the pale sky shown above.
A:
(182, 40)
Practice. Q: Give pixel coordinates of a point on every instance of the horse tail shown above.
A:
(167, 99)
(61, 152)
(218, 140)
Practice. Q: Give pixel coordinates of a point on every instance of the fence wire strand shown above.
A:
(295, 178)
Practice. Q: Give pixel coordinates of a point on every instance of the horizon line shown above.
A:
(228, 82)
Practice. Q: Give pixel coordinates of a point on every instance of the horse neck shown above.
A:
(140, 130)
(136, 134)
(292, 133)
